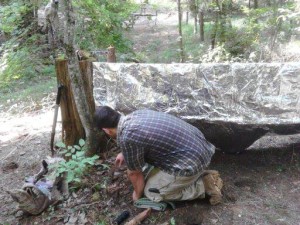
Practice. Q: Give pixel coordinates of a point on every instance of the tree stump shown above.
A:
(72, 129)
(111, 54)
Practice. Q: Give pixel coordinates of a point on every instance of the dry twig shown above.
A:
(139, 218)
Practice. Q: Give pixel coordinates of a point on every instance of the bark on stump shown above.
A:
(72, 126)
(72, 129)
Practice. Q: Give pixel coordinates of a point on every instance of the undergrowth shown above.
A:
(23, 65)
(77, 163)
(26, 68)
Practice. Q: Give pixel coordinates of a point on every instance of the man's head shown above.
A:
(107, 119)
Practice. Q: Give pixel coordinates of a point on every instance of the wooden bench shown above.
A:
(146, 10)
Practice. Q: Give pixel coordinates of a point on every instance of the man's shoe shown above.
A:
(213, 185)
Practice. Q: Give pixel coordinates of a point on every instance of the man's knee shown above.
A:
(152, 193)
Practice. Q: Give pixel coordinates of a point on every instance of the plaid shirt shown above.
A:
(164, 141)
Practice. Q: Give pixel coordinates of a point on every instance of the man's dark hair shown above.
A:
(106, 117)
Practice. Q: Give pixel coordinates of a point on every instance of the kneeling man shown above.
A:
(177, 150)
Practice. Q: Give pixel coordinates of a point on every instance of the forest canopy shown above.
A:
(217, 31)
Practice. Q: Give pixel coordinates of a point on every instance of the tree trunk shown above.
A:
(187, 18)
(94, 139)
(255, 4)
(214, 32)
(85, 111)
(193, 6)
(80, 84)
(222, 28)
(220, 24)
(35, 6)
(275, 34)
(195, 24)
(201, 25)
(180, 31)
(52, 24)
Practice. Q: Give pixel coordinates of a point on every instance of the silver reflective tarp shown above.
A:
(235, 96)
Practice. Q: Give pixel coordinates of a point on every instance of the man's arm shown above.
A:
(137, 179)
(133, 154)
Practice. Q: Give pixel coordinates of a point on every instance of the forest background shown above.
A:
(217, 31)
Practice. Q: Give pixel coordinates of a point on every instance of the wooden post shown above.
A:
(72, 129)
(111, 55)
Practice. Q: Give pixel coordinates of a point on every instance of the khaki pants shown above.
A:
(173, 188)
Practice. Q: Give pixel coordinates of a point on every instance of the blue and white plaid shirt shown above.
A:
(164, 141)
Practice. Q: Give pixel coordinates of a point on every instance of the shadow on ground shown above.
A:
(261, 187)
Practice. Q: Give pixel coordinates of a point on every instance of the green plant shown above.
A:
(101, 223)
(11, 16)
(192, 45)
(5, 223)
(19, 65)
(77, 164)
(172, 221)
(103, 184)
(280, 168)
(24, 53)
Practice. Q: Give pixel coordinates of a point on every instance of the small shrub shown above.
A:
(77, 164)
(172, 221)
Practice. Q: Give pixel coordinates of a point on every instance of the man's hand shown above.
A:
(135, 197)
(119, 160)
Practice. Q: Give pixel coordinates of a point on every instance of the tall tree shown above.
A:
(201, 24)
(180, 31)
(255, 4)
(222, 22)
(197, 8)
(202, 8)
(52, 24)
(78, 84)
(193, 6)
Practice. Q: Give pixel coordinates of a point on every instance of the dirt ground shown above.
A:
(261, 187)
